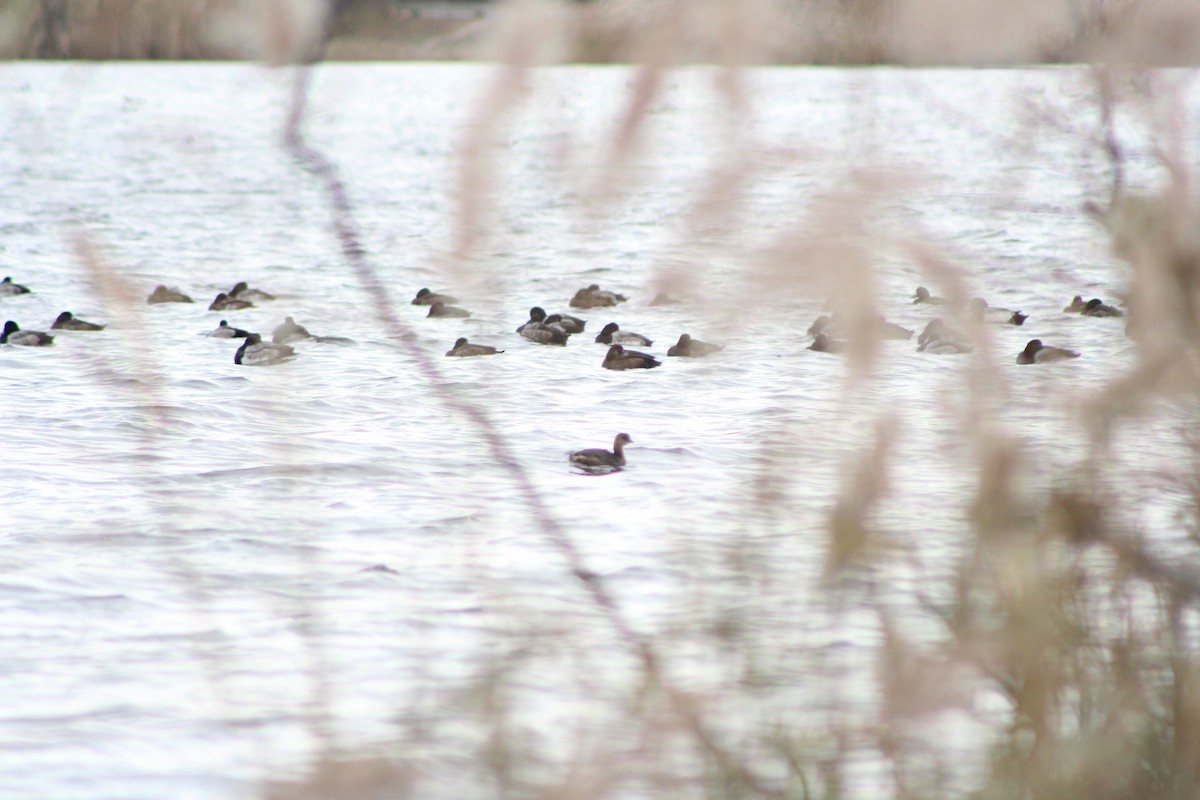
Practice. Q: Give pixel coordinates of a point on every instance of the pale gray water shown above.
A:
(183, 539)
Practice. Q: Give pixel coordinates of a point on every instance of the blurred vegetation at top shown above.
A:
(1156, 32)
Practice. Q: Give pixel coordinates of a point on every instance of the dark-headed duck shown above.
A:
(595, 297)
(241, 291)
(223, 302)
(922, 295)
(9, 289)
(618, 357)
(256, 353)
(598, 457)
(462, 349)
(163, 294)
(66, 322)
(227, 331)
(440, 309)
(979, 311)
(289, 331)
(428, 298)
(612, 334)
(823, 344)
(687, 347)
(1037, 353)
(14, 335)
(1096, 308)
(567, 322)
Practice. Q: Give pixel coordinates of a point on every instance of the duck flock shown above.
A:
(828, 335)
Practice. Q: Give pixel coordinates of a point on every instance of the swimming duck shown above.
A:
(255, 353)
(936, 330)
(567, 322)
(14, 335)
(1037, 353)
(612, 334)
(923, 296)
(463, 349)
(687, 347)
(599, 457)
(979, 310)
(241, 291)
(428, 298)
(162, 294)
(66, 322)
(594, 297)
(224, 302)
(289, 331)
(618, 357)
(539, 329)
(944, 347)
(9, 289)
(440, 309)
(1076, 306)
(1096, 308)
(823, 344)
(227, 331)
(822, 324)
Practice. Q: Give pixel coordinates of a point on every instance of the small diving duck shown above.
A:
(241, 291)
(163, 294)
(14, 335)
(67, 322)
(612, 334)
(567, 322)
(1096, 308)
(1076, 306)
(979, 310)
(823, 344)
(940, 340)
(1037, 353)
(440, 309)
(922, 295)
(256, 353)
(10, 289)
(539, 329)
(599, 457)
(227, 331)
(595, 297)
(289, 331)
(224, 302)
(462, 348)
(687, 347)
(427, 298)
(618, 357)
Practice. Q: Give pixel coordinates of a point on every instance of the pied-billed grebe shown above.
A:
(612, 334)
(256, 353)
(599, 457)
(162, 294)
(428, 298)
(227, 331)
(462, 348)
(1037, 353)
(1096, 308)
(241, 291)
(440, 309)
(618, 357)
(687, 347)
(14, 335)
(9, 289)
(223, 302)
(594, 297)
(66, 322)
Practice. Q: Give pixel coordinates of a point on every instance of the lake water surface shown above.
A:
(187, 599)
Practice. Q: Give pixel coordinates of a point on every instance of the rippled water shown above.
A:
(186, 542)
